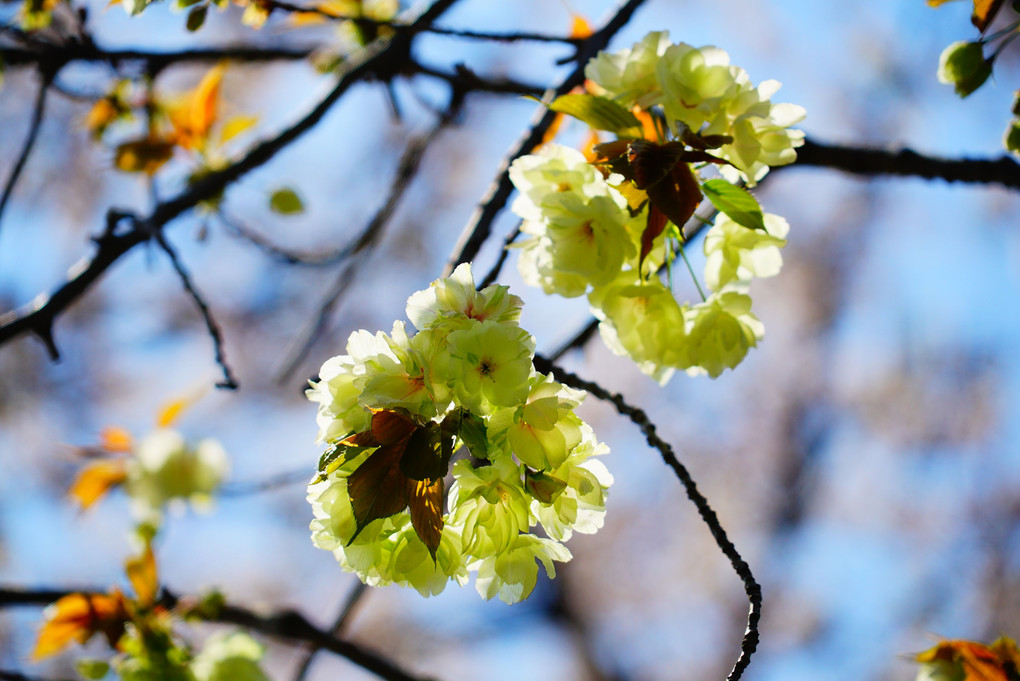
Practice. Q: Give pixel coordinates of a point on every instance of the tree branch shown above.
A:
(480, 225)
(908, 163)
(228, 382)
(38, 111)
(57, 56)
(380, 59)
(288, 624)
(705, 510)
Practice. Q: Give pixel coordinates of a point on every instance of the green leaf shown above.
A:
(92, 669)
(473, 434)
(378, 488)
(543, 486)
(196, 17)
(735, 202)
(285, 201)
(600, 113)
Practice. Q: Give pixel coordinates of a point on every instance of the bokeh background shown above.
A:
(864, 458)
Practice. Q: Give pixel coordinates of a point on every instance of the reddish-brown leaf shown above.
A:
(653, 228)
(651, 162)
(425, 497)
(378, 488)
(676, 195)
(389, 427)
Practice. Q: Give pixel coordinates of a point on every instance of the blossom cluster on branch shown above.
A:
(398, 411)
(604, 225)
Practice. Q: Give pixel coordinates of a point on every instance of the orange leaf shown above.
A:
(984, 12)
(76, 617)
(978, 661)
(579, 27)
(588, 148)
(168, 412)
(141, 572)
(95, 480)
(116, 439)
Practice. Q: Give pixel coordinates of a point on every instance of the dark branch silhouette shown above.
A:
(38, 111)
(705, 510)
(379, 60)
(285, 624)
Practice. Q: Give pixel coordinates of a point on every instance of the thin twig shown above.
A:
(6, 675)
(284, 479)
(467, 79)
(400, 26)
(480, 225)
(407, 168)
(379, 58)
(38, 111)
(280, 253)
(228, 382)
(346, 611)
(705, 510)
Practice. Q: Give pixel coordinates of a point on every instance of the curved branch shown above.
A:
(480, 225)
(380, 59)
(38, 110)
(907, 163)
(705, 510)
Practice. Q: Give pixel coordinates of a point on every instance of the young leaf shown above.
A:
(378, 488)
(76, 617)
(600, 113)
(115, 439)
(95, 480)
(425, 497)
(235, 126)
(196, 17)
(984, 12)
(285, 201)
(424, 454)
(735, 202)
(144, 155)
(651, 162)
(543, 486)
(677, 196)
(141, 572)
(473, 434)
(654, 226)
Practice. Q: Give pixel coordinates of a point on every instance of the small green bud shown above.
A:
(963, 65)
(1011, 140)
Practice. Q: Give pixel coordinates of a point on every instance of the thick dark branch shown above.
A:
(38, 316)
(905, 162)
(38, 110)
(705, 510)
(6, 675)
(57, 56)
(466, 79)
(228, 381)
(480, 224)
(377, 60)
(286, 624)
(342, 618)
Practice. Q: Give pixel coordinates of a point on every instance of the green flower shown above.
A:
(735, 253)
(229, 656)
(165, 469)
(543, 431)
(512, 575)
(628, 76)
(489, 365)
(963, 65)
(489, 505)
(643, 320)
(453, 302)
(720, 331)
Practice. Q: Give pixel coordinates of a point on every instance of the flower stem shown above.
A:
(691, 270)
